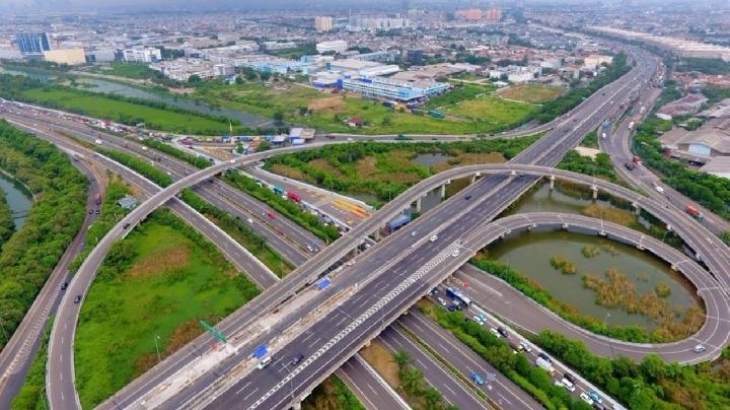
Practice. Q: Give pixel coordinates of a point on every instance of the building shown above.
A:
(718, 166)
(224, 70)
(323, 23)
(142, 55)
(275, 66)
(493, 14)
(383, 88)
(338, 46)
(72, 56)
(709, 141)
(689, 104)
(470, 14)
(32, 43)
(594, 61)
(415, 56)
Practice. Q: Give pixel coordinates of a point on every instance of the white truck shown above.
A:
(545, 365)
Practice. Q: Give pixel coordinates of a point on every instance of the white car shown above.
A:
(455, 253)
(434, 238)
(568, 385)
(350, 263)
(659, 189)
(586, 399)
(699, 349)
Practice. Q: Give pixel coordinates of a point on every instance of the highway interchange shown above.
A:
(425, 229)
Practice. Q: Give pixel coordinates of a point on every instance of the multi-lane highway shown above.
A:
(579, 127)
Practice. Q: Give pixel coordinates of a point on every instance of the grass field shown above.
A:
(532, 93)
(127, 70)
(171, 284)
(328, 111)
(101, 107)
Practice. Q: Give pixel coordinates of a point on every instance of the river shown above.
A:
(103, 86)
(17, 197)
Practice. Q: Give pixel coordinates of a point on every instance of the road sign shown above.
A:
(210, 329)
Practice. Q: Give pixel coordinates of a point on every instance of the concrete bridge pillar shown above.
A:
(473, 179)
(443, 191)
(552, 182)
(595, 192)
(640, 247)
(601, 233)
(418, 205)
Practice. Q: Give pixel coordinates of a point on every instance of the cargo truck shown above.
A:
(399, 221)
(694, 212)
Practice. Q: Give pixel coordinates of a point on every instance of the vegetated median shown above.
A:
(534, 380)
(30, 255)
(332, 394)
(382, 171)
(148, 297)
(651, 384)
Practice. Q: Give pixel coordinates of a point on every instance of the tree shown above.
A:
(194, 79)
(401, 357)
(278, 116)
(412, 380)
(432, 397)
(239, 80)
(263, 146)
(239, 148)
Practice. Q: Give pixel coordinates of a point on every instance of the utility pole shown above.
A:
(157, 349)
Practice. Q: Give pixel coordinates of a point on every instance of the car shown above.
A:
(569, 386)
(455, 253)
(77, 299)
(309, 248)
(298, 359)
(502, 331)
(659, 189)
(126, 225)
(699, 349)
(264, 362)
(468, 197)
(441, 301)
(434, 238)
(91, 211)
(569, 377)
(586, 398)
(451, 308)
(494, 331)
(478, 319)
(525, 346)
(64, 285)
(545, 357)
(98, 211)
(249, 220)
(477, 378)
(595, 397)
(414, 233)
(350, 262)
(483, 317)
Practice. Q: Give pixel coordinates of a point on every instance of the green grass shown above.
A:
(532, 93)
(480, 112)
(102, 107)
(128, 70)
(171, 283)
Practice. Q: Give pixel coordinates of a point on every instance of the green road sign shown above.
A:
(210, 329)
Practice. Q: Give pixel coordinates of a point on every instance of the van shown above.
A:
(568, 385)
(264, 362)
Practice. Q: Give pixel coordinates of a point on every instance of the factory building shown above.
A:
(384, 88)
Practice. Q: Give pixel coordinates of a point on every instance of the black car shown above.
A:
(468, 197)
(569, 377)
(502, 331)
(64, 285)
(545, 357)
(77, 299)
(295, 361)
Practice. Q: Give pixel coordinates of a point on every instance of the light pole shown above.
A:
(610, 345)
(157, 349)
(285, 367)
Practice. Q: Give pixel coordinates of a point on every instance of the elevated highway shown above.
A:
(566, 135)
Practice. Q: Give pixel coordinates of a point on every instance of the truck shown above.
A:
(293, 196)
(693, 211)
(97, 199)
(436, 114)
(399, 221)
(297, 141)
(389, 104)
(545, 365)
(631, 125)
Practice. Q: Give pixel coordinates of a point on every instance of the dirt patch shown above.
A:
(618, 216)
(367, 167)
(329, 105)
(321, 163)
(160, 262)
(402, 178)
(466, 158)
(181, 90)
(382, 361)
(289, 172)
(531, 93)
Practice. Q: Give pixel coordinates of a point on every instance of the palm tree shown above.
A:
(401, 357)
(433, 398)
(412, 380)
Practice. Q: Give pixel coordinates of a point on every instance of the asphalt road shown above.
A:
(568, 135)
(371, 389)
(17, 355)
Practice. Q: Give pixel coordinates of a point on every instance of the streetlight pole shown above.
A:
(157, 349)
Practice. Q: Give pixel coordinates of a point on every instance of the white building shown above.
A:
(142, 55)
(338, 46)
